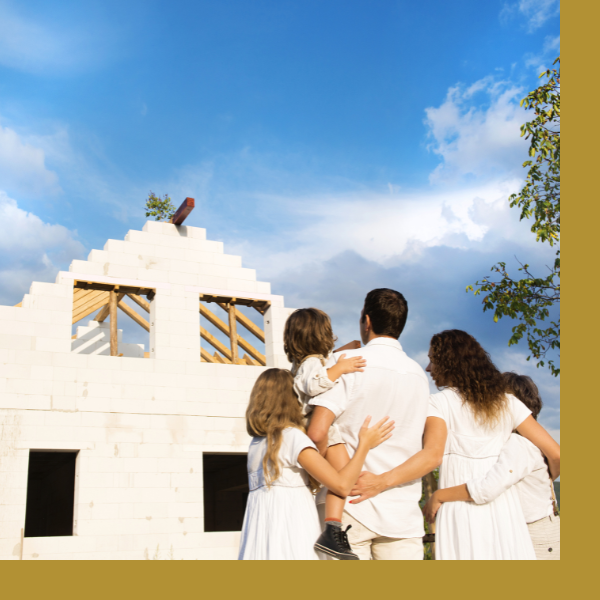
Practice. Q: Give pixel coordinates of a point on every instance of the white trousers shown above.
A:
(545, 535)
(369, 545)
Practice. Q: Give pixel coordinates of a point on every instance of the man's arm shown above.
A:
(423, 462)
(318, 430)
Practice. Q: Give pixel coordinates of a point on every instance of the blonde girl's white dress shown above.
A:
(281, 521)
(465, 530)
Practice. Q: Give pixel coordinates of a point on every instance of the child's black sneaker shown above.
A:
(334, 541)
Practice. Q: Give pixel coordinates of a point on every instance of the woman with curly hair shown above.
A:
(479, 417)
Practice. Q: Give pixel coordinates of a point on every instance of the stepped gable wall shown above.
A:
(140, 425)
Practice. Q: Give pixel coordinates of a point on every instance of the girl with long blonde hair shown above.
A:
(284, 467)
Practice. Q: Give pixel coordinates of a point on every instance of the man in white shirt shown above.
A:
(390, 525)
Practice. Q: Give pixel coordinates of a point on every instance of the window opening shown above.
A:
(228, 334)
(225, 479)
(98, 336)
(50, 493)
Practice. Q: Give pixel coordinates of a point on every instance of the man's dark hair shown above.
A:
(387, 310)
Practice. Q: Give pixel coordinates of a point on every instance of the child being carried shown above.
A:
(308, 341)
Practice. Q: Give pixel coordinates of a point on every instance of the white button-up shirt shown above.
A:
(393, 385)
(521, 464)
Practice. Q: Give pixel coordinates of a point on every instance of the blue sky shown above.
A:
(337, 146)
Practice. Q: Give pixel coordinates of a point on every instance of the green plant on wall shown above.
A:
(159, 208)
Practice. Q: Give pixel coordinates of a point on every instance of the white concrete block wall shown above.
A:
(140, 426)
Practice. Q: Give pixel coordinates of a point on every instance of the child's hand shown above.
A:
(373, 436)
(431, 507)
(354, 364)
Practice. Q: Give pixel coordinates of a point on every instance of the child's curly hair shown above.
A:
(459, 362)
(307, 331)
(525, 390)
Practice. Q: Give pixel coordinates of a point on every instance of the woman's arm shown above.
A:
(452, 494)
(537, 435)
(341, 483)
(418, 465)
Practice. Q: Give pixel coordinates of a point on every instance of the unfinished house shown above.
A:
(133, 449)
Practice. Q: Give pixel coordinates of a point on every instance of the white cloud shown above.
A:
(478, 141)
(23, 166)
(536, 12)
(30, 250)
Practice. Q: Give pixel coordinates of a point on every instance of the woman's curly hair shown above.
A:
(459, 362)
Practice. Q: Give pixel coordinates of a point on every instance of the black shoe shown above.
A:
(334, 541)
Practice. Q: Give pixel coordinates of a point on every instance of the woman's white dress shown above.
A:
(465, 530)
(281, 522)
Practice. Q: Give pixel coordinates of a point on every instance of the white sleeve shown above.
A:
(519, 412)
(295, 442)
(337, 398)
(312, 378)
(514, 463)
(434, 408)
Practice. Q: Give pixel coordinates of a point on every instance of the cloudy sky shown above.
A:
(337, 146)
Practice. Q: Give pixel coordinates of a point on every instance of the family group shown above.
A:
(341, 442)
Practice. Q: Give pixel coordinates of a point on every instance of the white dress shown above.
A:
(281, 522)
(466, 530)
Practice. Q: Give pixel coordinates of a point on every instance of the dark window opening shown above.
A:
(225, 491)
(50, 494)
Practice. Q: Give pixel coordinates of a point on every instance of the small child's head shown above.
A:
(273, 407)
(525, 390)
(307, 331)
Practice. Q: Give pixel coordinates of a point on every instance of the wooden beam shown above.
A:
(260, 305)
(233, 336)
(183, 211)
(247, 323)
(113, 303)
(88, 296)
(140, 302)
(93, 307)
(103, 314)
(249, 361)
(206, 356)
(212, 318)
(242, 343)
(220, 359)
(215, 343)
(133, 315)
(107, 287)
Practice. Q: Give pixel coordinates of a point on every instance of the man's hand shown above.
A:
(367, 486)
(355, 345)
(431, 507)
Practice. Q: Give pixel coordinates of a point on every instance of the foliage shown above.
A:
(529, 298)
(160, 208)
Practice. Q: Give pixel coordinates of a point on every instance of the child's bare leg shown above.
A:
(337, 457)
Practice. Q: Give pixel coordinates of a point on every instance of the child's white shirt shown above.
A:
(310, 380)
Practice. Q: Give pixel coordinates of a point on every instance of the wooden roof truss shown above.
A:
(231, 354)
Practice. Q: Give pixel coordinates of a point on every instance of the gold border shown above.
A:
(129, 579)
